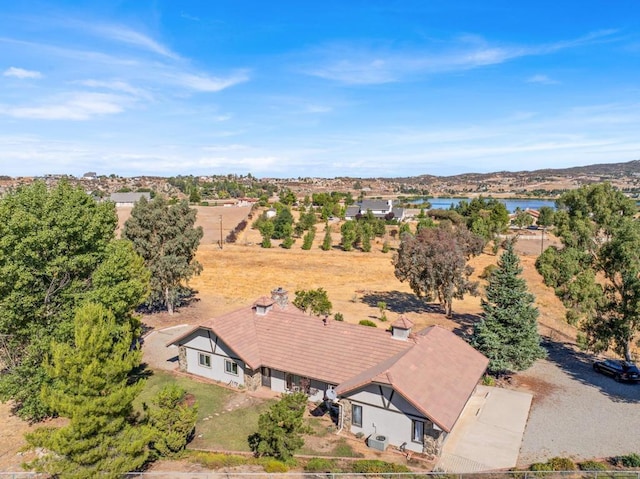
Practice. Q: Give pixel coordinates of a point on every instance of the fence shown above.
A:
(329, 475)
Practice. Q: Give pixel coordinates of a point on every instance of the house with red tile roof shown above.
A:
(408, 389)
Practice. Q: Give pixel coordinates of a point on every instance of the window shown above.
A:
(230, 367)
(356, 415)
(204, 360)
(417, 435)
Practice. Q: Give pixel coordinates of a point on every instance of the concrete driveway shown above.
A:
(489, 432)
(155, 351)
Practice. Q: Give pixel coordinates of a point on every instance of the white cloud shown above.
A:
(73, 106)
(542, 79)
(360, 65)
(116, 85)
(21, 73)
(126, 35)
(207, 83)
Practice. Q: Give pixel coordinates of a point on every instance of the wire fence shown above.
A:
(329, 475)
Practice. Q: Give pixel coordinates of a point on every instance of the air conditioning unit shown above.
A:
(378, 442)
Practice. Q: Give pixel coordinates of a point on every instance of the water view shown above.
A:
(511, 203)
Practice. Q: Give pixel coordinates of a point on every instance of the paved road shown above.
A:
(577, 412)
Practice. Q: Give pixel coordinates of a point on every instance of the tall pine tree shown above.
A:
(508, 334)
(91, 386)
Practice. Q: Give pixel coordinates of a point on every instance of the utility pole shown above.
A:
(220, 231)
(542, 241)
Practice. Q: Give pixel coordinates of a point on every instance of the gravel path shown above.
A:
(577, 412)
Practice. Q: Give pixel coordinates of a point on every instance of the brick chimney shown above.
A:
(279, 295)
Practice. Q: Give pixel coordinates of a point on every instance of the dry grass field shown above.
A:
(355, 281)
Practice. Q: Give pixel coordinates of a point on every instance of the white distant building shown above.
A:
(128, 199)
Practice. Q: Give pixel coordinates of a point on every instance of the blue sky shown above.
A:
(332, 88)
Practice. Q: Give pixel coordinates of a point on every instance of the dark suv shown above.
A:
(619, 370)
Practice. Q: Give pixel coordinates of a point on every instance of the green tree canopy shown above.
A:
(507, 333)
(280, 428)
(434, 262)
(522, 219)
(91, 386)
(167, 239)
(485, 217)
(315, 301)
(53, 244)
(597, 271)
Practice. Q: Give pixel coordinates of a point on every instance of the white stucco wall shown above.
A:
(392, 418)
(219, 352)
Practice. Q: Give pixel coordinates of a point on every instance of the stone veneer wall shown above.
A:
(182, 359)
(347, 420)
(252, 379)
(433, 440)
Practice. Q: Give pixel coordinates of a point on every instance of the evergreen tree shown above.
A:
(326, 242)
(282, 224)
(280, 428)
(91, 386)
(508, 334)
(308, 238)
(366, 237)
(171, 419)
(166, 237)
(349, 235)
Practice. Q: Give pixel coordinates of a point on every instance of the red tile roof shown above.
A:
(437, 375)
(435, 370)
(402, 323)
(292, 341)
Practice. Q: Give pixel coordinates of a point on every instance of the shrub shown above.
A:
(319, 464)
(629, 460)
(204, 203)
(375, 466)
(274, 466)
(287, 243)
(592, 466)
(338, 317)
(540, 466)
(561, 464)
(490, 268)
(368, 322)
(554, 464)
(385, 247)
(488, 380)
(211, 460)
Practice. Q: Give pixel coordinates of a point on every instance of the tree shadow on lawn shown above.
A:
(579, 366)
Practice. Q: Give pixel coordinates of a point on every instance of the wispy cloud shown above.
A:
(542, 79)
(21, 73)
(75, 106)
(206, 83)
(366, 64)
(116, 85)
(187, 16)
(126, 35)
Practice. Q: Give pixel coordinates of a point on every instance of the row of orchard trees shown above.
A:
(69, 290)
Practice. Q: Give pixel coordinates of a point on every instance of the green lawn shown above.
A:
(217, 428)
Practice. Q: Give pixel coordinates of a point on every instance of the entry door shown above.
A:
(266, 377)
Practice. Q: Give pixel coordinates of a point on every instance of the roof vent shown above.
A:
(401, 328)
(263, 305)
(279, 295)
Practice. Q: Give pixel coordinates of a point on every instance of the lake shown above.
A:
(511, 204)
